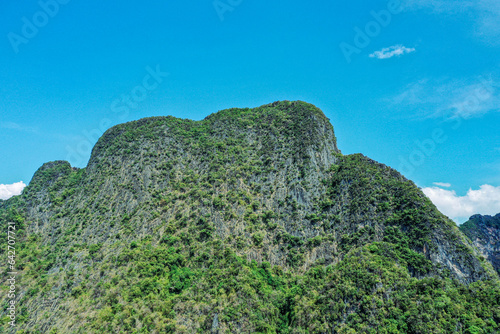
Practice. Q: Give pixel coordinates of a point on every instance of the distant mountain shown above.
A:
(484, 231)
(249, 221)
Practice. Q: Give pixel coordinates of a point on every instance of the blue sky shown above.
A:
(412, 84)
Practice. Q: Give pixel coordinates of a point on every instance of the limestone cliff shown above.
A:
(176, 225)
(484, 231)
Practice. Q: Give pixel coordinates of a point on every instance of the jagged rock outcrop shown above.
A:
(484, 231)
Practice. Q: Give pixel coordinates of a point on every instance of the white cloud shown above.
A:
(485, 201)
(392, 51)
(441, 184)
(9, 190)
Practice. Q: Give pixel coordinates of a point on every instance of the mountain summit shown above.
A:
(249, 221)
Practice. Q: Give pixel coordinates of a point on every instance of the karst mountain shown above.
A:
(248, 221)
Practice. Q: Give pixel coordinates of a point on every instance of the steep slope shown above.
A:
(484, 231)
(250, 220)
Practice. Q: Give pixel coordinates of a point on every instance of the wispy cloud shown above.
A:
(450, 98)
(392, 51)
(484, 14)
(475, 99)
(442, 184)
(440, 6)
(36, 131)
(9, 190)
(485, 201)
(18, 127)
(412, 95)
(488, 24)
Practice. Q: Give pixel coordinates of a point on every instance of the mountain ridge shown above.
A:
(168, 210)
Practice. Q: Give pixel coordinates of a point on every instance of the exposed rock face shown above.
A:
(215, 324)
(484, 231)
(165, 203)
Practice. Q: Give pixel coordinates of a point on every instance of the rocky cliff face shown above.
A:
(484, 231)
(175, 223)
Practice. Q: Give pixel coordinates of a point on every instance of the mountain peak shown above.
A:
(186, 219)
(297, 126)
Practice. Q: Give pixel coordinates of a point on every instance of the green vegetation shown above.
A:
(250, 214)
